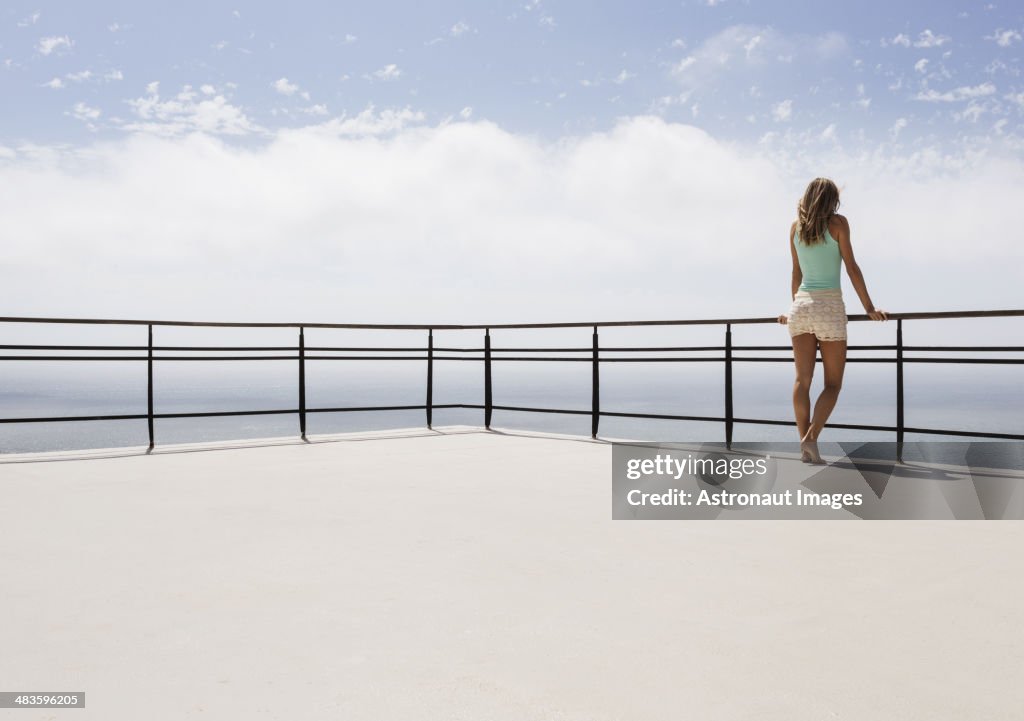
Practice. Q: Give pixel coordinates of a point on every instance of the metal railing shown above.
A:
(595, 355)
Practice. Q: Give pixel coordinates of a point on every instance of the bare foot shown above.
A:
(809, 453)
(809, 448)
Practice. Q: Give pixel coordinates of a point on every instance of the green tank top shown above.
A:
(819, 263)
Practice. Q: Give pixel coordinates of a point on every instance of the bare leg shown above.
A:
(833, 358)
(805, 348)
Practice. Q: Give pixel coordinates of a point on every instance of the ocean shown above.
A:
(963, 397)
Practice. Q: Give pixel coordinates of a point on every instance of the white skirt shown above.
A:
(819, 312)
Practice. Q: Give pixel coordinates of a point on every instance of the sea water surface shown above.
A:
(955, 397)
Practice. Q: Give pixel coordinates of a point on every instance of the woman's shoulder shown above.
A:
(838, 223)
(839, 227)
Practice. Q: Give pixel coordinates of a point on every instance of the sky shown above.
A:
(502, 161)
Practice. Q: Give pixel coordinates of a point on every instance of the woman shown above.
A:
(818, 239)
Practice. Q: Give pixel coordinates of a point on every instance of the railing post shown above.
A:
(430, 378)
(595, 391)
(728, 385)
(487, 378)
(149, 387)
(302, 382)
(899, 390)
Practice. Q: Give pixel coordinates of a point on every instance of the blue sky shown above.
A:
(855, 73)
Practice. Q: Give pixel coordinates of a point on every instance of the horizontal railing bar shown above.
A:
(492, 326)
(142, 358)
(525, 359)
(966, 348)
(760, 421)
(846, 426)
(73, 419)
(343, 409)
(542, 410)
(954, 361)
(212, 414)
(966, 434)
(965, 360)
(527, 409)
(72, 347)
(224, 347)
(661, 416)
(614, 349)
(790, 347)
(673, 348)
(409, 349)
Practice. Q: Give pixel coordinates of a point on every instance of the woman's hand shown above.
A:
(877, 314)
(784, 319)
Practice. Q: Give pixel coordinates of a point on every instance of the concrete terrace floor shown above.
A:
(478, 575)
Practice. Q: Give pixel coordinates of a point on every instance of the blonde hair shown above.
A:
(819, 204)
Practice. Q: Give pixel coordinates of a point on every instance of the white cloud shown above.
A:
(897, 127)
(971, 113)
(368, 123)
(84, 112)
(285, 87)
(921, 65)
(622, 77)
(467, 222)
(751, 45)
(30, 20)
(466, 113)
(750, 49)
(957, 94)
(186, 113)
(318, 109)
(117, 27)
(902, 40)
(388, 72)
(53, 43)
(683, 65)
(1004, 38)
(459, 28)
(928, 39)
(84, 76)
(1017, 99)
(782, 111)
(349, 39)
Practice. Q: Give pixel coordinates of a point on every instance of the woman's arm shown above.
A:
(842, 236)
(798, 275)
